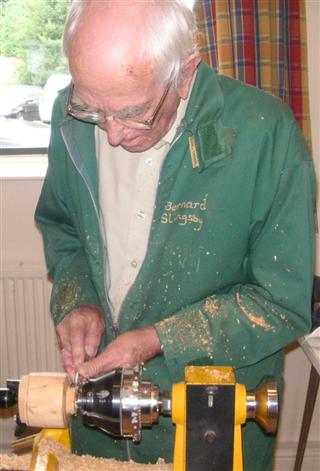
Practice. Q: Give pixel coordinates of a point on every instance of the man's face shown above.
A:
(129, 96)
(110, 73)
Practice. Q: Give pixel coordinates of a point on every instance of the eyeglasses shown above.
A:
(77, 109)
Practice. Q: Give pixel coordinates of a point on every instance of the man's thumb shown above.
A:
(92, 368)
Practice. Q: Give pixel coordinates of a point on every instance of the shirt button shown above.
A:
(149, 161)
(134, 263)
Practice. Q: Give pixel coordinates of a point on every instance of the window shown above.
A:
(33, 69)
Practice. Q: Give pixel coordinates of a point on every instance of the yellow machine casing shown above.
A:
(208, 376)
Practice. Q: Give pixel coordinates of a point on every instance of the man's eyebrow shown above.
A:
(132, 110)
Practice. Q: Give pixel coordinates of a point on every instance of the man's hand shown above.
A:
(79, 336)
(125, 351)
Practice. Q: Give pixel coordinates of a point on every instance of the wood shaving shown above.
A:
(211, 307)
(255, 320)
(15, 462)
(69, 462)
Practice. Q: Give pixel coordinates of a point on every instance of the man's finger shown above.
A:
(93, 368)
(63, 338)
(68, 363)
(94, 333)
(78, 346)
(92, 342)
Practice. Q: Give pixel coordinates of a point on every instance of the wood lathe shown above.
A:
(208, 409)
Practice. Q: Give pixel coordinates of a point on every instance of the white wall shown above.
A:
(21, 241)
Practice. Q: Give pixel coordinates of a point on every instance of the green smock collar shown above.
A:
(209, 139)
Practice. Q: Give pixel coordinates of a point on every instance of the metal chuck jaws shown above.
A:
(121, 403)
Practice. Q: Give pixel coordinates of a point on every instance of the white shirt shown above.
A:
(128, 185)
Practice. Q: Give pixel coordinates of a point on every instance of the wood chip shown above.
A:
(15, 462)
(69, 462)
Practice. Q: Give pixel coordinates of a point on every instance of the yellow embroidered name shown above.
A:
(173, 213)
(183, 220)
(202, 205)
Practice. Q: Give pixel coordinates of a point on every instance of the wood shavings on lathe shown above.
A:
(69, 462)
(15, 462)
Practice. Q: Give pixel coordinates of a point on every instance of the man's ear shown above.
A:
(186, 75)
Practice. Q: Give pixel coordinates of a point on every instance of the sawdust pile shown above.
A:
(14, 462)
(65, 461)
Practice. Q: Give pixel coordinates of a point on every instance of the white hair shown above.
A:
(171, 34)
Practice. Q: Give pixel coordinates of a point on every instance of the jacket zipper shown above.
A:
(115, 324)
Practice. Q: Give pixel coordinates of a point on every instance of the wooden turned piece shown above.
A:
(46, 400)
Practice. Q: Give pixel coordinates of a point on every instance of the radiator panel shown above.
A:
(27, 337)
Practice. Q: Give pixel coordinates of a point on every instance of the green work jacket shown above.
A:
(228, 272)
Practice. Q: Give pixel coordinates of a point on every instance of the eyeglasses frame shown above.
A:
(83, 114)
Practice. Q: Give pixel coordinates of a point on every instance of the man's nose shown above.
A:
(115, 131)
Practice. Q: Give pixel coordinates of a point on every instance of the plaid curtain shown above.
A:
(261, 42)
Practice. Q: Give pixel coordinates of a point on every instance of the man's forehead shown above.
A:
(103, 77)
(118, 82)
(116, 38)
(100, 67)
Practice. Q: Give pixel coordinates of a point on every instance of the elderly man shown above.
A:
(176, 215)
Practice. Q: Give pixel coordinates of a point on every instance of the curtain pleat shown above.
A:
(261, 42)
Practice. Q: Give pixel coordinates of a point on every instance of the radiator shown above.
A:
(27, 337)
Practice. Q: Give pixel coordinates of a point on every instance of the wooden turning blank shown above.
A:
(46, 400)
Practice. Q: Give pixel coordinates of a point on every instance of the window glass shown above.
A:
(33, 69)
